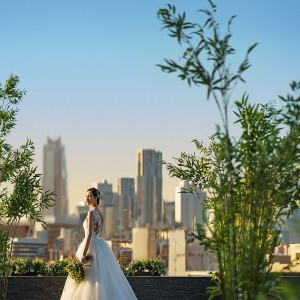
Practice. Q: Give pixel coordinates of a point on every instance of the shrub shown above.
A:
(57, 268)
(154, 267)
(21, 266)
(136, 266)
(39, 266)
(125, 269)
(73, 268)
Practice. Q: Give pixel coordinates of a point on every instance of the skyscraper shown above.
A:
(126, 206)
(149, 188)
(55, 180)
(106, 191)
(108, 206)
(188, 206)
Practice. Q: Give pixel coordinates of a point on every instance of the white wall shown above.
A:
(139, 243)
(177, 248)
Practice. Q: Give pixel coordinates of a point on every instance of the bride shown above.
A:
(104, 279)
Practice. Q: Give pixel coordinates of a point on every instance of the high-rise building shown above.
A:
(188, 206)
(169, 214)
(108, 205)
(126, 205)
(55, 180)
(149, 188)
(106, 191)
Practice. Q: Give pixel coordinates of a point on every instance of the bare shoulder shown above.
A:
(90, 214)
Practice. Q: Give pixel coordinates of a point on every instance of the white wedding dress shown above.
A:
(104, 279)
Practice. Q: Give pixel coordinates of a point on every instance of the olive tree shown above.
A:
(252, 180)
(21, 192)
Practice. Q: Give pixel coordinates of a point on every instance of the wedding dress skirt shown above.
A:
(104, 279)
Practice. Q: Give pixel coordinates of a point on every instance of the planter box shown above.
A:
(145, 287)
(164, 287)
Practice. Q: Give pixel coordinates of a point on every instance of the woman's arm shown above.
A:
(90, 220)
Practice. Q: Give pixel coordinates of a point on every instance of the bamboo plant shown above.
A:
(252, 181)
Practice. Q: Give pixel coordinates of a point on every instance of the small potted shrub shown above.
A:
(147, 267)
(136, 268)
(21, 267)
(126, 270)
(39, 267)
(56, 268)
(155, 267)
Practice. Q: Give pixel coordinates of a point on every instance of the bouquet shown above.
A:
(76, 269)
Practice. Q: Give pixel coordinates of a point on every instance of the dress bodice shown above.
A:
(97, 225)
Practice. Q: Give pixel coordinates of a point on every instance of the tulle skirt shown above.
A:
(104, 279)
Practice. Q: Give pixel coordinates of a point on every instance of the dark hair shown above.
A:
(96, 193)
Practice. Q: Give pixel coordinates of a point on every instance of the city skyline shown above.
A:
(91, 76)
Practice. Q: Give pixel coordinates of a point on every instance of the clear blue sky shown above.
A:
(89, 69)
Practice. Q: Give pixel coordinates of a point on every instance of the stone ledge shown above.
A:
(162, 288)
(50, 288)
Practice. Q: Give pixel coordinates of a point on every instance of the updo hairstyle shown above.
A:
(95, 193)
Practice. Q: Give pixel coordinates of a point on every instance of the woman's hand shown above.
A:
(83, 257)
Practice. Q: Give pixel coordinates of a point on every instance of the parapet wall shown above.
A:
(46, 288)
(166, 287)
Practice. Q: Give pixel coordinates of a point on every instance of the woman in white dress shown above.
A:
(104, 279)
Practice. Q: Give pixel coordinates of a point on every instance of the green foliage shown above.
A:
(154, 267)
(39, 267)
(76, 269)
(291, 290)
(4, 263)
(205, 58)
(252, 181)
(27, 198)
(25, 267)
(57, 268)
(21, 266)
(4, 245)
(127, 271)
(136, 266)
